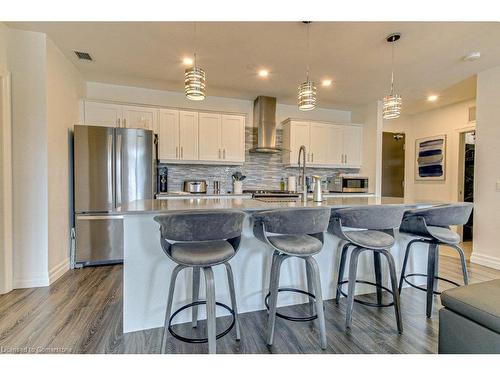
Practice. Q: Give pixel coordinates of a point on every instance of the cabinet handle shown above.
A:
(219, 153)
(182, 152)
(346, 158)
(177, 152)
(119, 122)
(224, 153)
(312, 157)
(124, 123)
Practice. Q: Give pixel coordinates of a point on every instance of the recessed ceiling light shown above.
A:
(432, 98)
(263, 73)
(326, 82)
(473, 56)
(188, 61)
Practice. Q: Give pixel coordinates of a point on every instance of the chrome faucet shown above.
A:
(302, 178)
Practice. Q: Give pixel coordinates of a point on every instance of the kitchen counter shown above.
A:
(181, 195)
(147, 269)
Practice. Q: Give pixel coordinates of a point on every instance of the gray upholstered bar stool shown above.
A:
(368, 228)
(203, 239)
(294, 233)
(432, 226)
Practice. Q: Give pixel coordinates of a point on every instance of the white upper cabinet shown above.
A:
(103, 114)
(140, 118)
(168, 134)
(327, 145)
(188, 135)
(232, 141)
(210, 134)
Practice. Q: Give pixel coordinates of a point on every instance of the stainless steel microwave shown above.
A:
(348, 184)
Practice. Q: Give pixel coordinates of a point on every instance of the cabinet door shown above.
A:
(103, 114)
(319, 144)
(233, 138)
(299, 135)
(335, 145)
(140, 118)
(188, 135)
(168, 135)
(353, 145)
(210, 136)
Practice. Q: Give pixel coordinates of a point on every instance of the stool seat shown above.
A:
(371, 239)
(201, 253)
(477, 302)
(300, 245)
(444, 235)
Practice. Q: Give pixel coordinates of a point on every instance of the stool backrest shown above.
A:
(443, 215)
(376, 217)
(201, 225)
(294, 221)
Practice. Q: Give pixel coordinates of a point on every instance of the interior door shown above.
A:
(140, 118)
(168, 134)
(299, 135)
(210, 133)
(233, 138)
(353, 145)
(103, 114)
(393, 164)
(188, 135)
(134, 165)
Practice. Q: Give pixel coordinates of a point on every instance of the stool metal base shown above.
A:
(370, 304)
(205, 339)
(425, 275)
(288, 317)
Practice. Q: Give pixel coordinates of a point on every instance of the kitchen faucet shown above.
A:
(302, 178)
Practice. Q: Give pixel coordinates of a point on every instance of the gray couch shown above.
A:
(469, 322)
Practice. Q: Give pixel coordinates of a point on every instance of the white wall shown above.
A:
(447, 120)
(65, 87)
(486, 249)
(27, 63)
(127, 94)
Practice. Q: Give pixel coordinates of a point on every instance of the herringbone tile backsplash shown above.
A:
(263, 171)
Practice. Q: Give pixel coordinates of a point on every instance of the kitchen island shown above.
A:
(147, 269)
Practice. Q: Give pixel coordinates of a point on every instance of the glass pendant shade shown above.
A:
(194, 83)
(392, 106)
(307, 96)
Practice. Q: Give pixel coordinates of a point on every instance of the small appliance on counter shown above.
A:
(161, 184)
(348, 184)
(195, 186)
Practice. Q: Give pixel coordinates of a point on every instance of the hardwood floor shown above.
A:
(82, 313)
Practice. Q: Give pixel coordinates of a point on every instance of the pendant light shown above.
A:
(307, 89)
(392, 102)
(194, 79)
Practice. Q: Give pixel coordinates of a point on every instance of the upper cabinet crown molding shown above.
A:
(327, 144)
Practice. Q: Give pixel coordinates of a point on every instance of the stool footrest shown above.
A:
(425, 275)
(204, 339)
(366, 303)
(288, 317)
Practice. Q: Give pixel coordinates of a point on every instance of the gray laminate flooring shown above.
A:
(82, 313)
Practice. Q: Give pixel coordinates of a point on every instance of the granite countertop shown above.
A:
(153, 206)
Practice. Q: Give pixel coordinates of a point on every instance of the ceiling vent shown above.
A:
(472, 114)
(83, 55)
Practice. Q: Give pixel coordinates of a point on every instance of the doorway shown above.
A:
(393, 164)
(466, 179)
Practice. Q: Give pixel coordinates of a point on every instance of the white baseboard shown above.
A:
(485, 260)
(34, 282)
(58, 270)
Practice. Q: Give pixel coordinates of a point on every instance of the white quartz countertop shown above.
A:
(152, 206)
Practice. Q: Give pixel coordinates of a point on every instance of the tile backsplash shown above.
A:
(263, 171)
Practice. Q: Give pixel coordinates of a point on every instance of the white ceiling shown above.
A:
(355, 55)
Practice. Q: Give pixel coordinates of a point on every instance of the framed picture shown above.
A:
(430, 158)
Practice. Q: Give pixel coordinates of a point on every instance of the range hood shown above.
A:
(264, 119)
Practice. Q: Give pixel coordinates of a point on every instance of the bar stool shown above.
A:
(377, 225)
(432, 226)
(294, 233)
(203, 239)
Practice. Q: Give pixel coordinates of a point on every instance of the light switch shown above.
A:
(497, 187)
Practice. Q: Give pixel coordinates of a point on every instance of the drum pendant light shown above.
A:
(307, 89)
(392, 102)
(194, 79)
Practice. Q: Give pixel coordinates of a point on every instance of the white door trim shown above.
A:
(6, 260)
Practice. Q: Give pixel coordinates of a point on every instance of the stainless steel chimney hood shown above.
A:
(264, 119)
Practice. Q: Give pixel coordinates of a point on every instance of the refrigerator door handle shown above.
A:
(118, 188)
(110, 168)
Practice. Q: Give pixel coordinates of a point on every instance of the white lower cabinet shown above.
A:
(327, 145)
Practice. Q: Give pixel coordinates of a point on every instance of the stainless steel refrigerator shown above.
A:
(112, 166)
